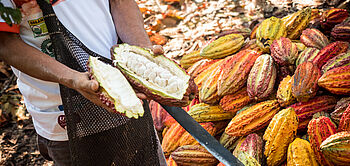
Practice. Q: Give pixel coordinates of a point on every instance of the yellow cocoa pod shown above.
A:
(269, 30)
(297, 22)
(300, 153)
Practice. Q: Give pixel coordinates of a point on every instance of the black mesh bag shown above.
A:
(97, 137)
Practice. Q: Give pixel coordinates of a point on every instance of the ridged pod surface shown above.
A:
(223, 46)
(171, 139)
(336, 148)
(270, 29)
(262, 78)
(284, 51)
(228, 141)
(307, 55)
(235, 72)
(337, 80)
(158, 114)
(319, 130)
(177, 136)
(339, 109)
(170, 162)
(187, 139)
(199, 67)
(341, 32)
(253, 118)
(329, 52)
(189, 59)
(279, 134)
(314, 38)
(332, 17)
(297, 22)
(206, 113)
(208, 93)
(193, 155)
(305, 110)
(202, 77)
(253, 145)
(338, 61)
(300, 153)
(304, 81)
(344, 124)
(235, 102)
(300, 46)
(284, 93)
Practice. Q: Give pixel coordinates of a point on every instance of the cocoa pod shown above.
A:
(235, 72)
(202, 77)
(284, 93)
(228, 141)
(170, 162)
(314, 38)
(253, 118)
(300, 153)
(199, 67)
(262, 77)
(235, 102)
(187, 139)
(208, 93)
(336, 148)
(297, 22)
(329, 52)
(245, 32)
(341, 32)
(223, 46)
(337, 80)
(206, 113)
(338, 61)
(332, 17)
(158, 114)
(270, 29)
(305, 110)
(344, 124)
(307, 55)
(252, 145)
(300, 46)
(304, 81)
(171, 139)
(279, 134)
(193, 155)
(341, 106)
(284, 51)
(189, 59)
(319, 130)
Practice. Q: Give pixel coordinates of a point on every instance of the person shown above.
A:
(28, 49)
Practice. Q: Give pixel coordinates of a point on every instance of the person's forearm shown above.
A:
(129, 23)
(33, 62)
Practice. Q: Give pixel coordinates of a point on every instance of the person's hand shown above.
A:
(88, 88)
(157, 49)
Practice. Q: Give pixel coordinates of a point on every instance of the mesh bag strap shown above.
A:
(97, 137)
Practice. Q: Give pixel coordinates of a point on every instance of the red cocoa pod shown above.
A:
(253, 145)
(344, 124)
(284, 51)
(305, 110)
(304, 81)
(262, 78)
(338, 61)
(337, 80)
(314, 38)
(341, 32)
(332, 17)
(158, 114)
(319, 130)
(329, 52)
(339, 109)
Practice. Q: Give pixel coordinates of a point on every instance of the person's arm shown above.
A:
(129, 24)
(31, 61)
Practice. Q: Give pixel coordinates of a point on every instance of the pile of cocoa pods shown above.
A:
(278, 95)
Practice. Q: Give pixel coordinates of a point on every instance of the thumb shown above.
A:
(94, 85)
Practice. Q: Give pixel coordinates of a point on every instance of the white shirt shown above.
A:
(91, 22)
